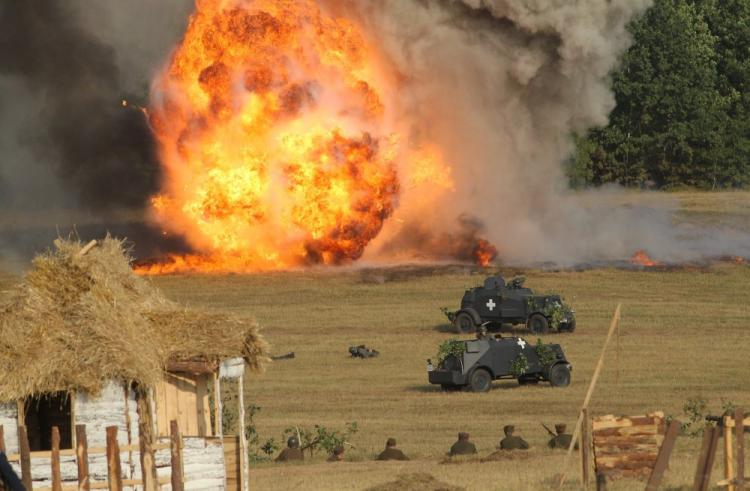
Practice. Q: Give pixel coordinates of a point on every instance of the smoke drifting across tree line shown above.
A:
(501, 84)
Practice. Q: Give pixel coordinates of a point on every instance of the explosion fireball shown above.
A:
(278, 141)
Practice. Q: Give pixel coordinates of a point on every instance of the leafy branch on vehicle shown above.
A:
(454, 347)
(519, 366)
(545, 354)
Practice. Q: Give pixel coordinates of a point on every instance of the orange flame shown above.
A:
(484, 252)
(277, 139)
(641, 258)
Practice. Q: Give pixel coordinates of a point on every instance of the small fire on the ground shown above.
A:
(641, 258)
(484, 252)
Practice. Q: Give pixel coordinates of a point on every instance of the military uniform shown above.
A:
(391, 453)
(463, 446)
(512, 442)
(290, 454)
(562, 439)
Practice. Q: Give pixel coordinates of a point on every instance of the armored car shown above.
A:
(496, 303)
(475, 363)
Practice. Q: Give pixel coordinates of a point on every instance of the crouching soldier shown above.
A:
(512, 442)
(291, 452)
(391, 452)
(337, 455)
(562, 439)
(463, 446)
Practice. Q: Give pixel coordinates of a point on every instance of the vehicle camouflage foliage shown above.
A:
(496, 303)
(475, 363)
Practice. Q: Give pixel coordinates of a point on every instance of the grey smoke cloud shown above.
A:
(501, 85)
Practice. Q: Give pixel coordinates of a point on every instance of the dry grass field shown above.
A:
(684, 334)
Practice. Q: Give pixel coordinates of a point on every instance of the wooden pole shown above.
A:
(217, 406)
(114, 470)
(585, 450)
(25, 451)
(178, 482)
(728, 457)
(2, 439)
(82, 458)
(55, 460)
(662, 459)
(706, 459)
(243, 438)
(146, 438)
(739, 432)
(589, 392)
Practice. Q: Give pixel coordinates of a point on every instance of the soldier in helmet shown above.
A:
(391, 452)
(562, 439)
(463, 446)
(291, 452)
(482, 332)
(337, 455)
(512, 442)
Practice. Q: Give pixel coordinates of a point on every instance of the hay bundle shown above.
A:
(420, 481)
(78, 321)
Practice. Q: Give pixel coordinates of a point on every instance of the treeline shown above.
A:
(683, 102)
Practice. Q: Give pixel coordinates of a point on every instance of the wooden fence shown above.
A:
(113, 449)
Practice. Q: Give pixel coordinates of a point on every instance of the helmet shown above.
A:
(507, 429)
(560, 428)
(292, 442)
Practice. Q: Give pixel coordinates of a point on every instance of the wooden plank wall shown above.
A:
(183, 398)
(232, 462)
(627, 446)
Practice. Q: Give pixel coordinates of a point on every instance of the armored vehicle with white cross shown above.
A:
(496, 303)
(475, 363)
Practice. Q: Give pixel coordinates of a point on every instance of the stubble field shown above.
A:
(684, 334)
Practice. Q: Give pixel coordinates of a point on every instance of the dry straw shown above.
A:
(77, 321)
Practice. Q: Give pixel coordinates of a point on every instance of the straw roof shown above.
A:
(77, 321)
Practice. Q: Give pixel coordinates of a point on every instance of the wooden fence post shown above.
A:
(706, 459)
(585, 449)
(662, 459)
(55, 460)
(739, 432)
(114, 475)
(146, 438)
(728, 454)
(82, 458)
(178, 482)
(25, 451)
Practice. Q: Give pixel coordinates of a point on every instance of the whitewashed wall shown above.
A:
(202, 460)
(9, 420)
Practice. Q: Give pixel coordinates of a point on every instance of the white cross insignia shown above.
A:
(491, 304)
(521, 343)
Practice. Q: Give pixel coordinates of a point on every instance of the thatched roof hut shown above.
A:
(78, 321)
(85, 341)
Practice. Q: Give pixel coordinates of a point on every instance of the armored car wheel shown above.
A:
(538, 324)
(481, 380)
(559, 375)
(464, 323)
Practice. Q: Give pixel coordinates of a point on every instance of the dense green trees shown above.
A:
(683, 102)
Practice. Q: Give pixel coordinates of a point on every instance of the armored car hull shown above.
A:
(475, 363)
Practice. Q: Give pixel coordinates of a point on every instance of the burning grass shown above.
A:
(77, 321)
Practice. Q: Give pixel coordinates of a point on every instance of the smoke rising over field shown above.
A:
(497, 85)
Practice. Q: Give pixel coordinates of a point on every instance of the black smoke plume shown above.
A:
(103, 152)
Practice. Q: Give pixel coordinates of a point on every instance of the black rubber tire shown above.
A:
(559, 375)
(538, 324)
(464, 323)
(481, 380)
(570, 327)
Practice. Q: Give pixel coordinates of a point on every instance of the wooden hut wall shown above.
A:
(184, 398)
